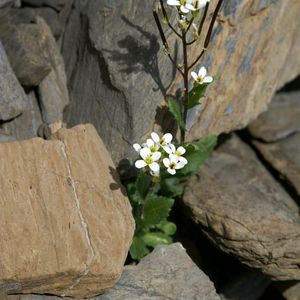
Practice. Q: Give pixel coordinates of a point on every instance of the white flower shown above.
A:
(200, 3)
(154, 147)
(164, 141)
(137, 147)
(148, 159)
(201, 76)
(176, 153)
(185, 5)
(172, 164)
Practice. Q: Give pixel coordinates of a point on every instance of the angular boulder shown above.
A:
(280, 120)
(166, 273)
(245, 212)
(63, 206)
(12, 95)
(116, 63)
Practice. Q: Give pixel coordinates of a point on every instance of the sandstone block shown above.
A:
(245, 212)
(63, 206)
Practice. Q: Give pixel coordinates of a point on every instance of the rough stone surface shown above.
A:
(12, 95)
(280, 120)
(4, 3)
(247, 286)
(245, 212)
(289, 290)
(26, 125)
(53, 91)
(118, 73)
(62, 204)
(56, 4)
(26, 48)
(166, 273)
(284, 156)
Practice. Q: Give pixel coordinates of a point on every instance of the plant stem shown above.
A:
(186, 83)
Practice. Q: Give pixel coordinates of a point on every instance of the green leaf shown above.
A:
(153, 239)
(132, 193)
(143, 183)
(168, 228)
(175, 110)
(197, 153)
(156, 209)
(196, 93)
(172, 186)
(138, 248)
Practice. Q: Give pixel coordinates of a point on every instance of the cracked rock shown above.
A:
(284, 156)
(245, 212)
(12, 95)
(63, 205)
(280, 120)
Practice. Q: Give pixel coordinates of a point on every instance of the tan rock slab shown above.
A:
(284, 156)
(65, 225)
(245, 212)
(280, 120)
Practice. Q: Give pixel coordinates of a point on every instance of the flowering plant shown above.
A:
(164, 166)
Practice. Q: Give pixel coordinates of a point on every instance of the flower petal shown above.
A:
(145, 152)
(190, 7)
(194, 75)
(202, 72)
(166, 162)
(184, 9)
(179, 165)
(150, 143)
(156, 156)
(154, 167)
(167, 138)
(173, 158)
(173, 2)
(183, 160)
(180, 150)
(171, 171)
(137, 147)
(208, 79)
(155, 137)
(168, 149)
(140, 164)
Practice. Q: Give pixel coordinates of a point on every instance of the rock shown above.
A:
(115, 62)
(53, 91)
(6, 138)
(50, 15)
(289, 290)
(280, 120)
(166, 273)
(12, 95)
(62, 204)
(15, 3)
(245, 212)
(26, 48)
(27, 124)
(56, 4)
(247, 286)
(284, 156)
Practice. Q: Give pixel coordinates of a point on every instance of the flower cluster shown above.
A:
(201, 77)
(157, 152)
(186, 6)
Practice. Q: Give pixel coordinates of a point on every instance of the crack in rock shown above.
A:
(82, 221)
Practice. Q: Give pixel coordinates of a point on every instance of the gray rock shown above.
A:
(26, 125)
(12, 96)
(166, 273)
(6, 138)
(56, 4)
(15, 3)
(26, 48)
(284, 156)
(53, 91)
(245, 212)
(280, 120)
(118, 73)
(247, 286)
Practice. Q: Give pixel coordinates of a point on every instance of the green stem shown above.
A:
(186, 83)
